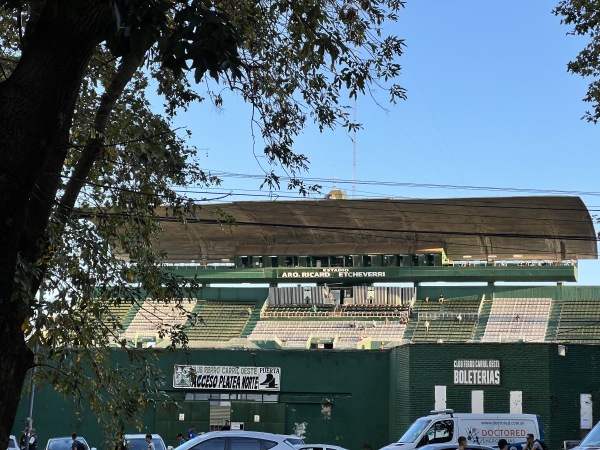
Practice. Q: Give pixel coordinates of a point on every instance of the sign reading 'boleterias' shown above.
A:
(234, 378)
(477, 371)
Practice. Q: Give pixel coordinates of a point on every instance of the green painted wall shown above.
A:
(332, 396)
(357, 397)
(550, 384)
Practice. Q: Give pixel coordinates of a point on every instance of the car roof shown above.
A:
(140, 435)
(248, 433)
(303, 446)
(234, 433)
(65, 437)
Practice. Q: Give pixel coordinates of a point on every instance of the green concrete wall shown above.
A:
(332, 396)
(551, 384)
(355, 397)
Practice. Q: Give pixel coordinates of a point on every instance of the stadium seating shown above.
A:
(344, 333)
(153, 317)
(579, 321)
(537, 318)
(518, 319)
(219, 320)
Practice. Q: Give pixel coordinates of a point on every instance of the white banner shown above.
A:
(231, 378)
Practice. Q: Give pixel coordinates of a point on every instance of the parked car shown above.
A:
(65, 443)
(319, 447)
(12, 443)
(570, 443)
(138, 442)
(294, 440)
(592, 439)
(240, 440)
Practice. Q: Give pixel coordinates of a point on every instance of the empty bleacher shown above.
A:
(154, 318)
(346, 333)
(447, 320)
(116, 315)
(444, 330)
(518, 319)
(579, 321)
(219, 320)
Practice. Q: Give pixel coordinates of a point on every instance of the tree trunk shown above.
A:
(36, 109)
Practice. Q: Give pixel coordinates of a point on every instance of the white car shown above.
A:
(138, 442)
(239, 440)
(12, 443)
(65, 443)
(319, 447)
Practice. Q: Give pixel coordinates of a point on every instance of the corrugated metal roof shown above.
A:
(506, 228)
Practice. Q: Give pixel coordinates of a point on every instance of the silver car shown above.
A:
(238, 440)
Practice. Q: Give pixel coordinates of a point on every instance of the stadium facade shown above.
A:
(335, 325)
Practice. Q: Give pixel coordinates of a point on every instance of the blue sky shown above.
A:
(490, 104)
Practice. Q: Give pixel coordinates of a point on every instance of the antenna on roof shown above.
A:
(354, 154)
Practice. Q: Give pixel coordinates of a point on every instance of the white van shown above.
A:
(485, 429)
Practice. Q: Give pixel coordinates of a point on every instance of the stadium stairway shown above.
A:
(253, 320)
(131, 314)
(484, 315)
(554, 320)
(409, 331)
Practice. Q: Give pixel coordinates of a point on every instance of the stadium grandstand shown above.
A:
(366, 274)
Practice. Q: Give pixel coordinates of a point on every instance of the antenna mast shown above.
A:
(354, 155)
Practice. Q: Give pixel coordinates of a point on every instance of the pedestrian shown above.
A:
(191, 433)
(427, 325)
(532, 444)
(149, 441)
(226, 427)
(180, 438)
(23, 439)
(32, 440)
(462, 443)
(76, 445)
(502, 444)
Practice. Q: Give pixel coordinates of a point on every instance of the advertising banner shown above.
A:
(231, 378)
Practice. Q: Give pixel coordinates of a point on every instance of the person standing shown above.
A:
(226, 427)
(191, 433)
(462, 443)
(502, 444)
(149, 442)
(180, 438)
(32, 440)
(23, 439)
